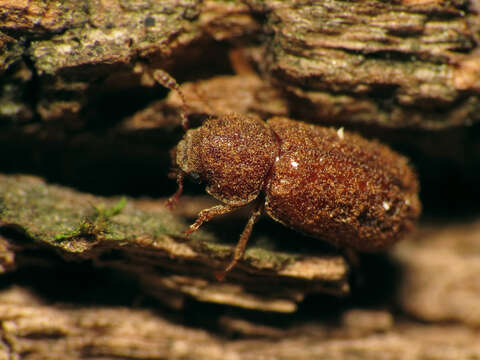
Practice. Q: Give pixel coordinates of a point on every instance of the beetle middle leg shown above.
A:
(242, 242)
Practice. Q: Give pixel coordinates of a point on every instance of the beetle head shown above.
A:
(187, 154)
(232, 153)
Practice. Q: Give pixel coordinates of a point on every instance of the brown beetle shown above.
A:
(330, 184)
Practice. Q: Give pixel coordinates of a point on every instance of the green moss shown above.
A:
(113, 27)
(67, 234)
(75, 222)
(264, 256)
(53, 214)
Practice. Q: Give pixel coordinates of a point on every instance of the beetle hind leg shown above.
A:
(242, 242)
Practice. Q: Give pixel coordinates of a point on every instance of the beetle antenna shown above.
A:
(165, 79)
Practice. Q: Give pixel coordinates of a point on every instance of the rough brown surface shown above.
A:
(332, 185)
(337, 186)
(31, 324)
(87, 48)
(148, 242)
(35, 329)
(441, 268)
(248, 94)
(85, 274)
(232, 154)
(395, 64)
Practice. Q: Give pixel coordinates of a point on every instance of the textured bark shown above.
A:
(35, 329)
(151, 245)
(79, 50)
(442, 284)
(44, 225)
(405, 72)
(90, 276)
(393, 64)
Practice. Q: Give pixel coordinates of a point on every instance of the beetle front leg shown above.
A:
(207, 214)
(172, 201)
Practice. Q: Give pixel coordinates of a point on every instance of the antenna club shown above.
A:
(166, 80)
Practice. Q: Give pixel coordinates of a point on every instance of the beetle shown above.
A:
(330, 184)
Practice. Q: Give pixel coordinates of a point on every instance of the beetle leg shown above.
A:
(207, 214)
(172, 201)
(242, 242)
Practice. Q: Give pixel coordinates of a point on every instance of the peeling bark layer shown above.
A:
(392, 64)
(151, 245)
(34, 329)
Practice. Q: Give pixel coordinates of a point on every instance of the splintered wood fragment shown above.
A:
(247, 94)
(388, 64)
(151, 245)
(314, 268)
(383, 63)
(225, 293)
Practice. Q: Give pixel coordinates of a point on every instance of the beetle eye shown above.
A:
(195, 176)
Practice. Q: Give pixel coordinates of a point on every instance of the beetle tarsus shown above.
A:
(220, 275)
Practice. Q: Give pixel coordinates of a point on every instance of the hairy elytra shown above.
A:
(329, 184)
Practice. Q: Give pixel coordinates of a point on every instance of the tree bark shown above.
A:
(86, 273)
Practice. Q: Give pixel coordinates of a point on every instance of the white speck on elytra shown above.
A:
(340, 133)
(386, 205)
(294, 164)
